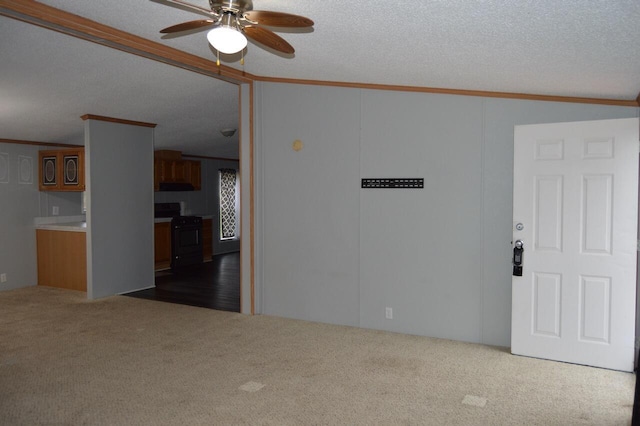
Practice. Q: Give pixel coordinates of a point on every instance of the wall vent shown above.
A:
(393, 183)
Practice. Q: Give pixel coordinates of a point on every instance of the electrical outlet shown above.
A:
(388, 313)
(56, 210)
(3, 278)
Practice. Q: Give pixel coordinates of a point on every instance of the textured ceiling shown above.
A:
(546, 47)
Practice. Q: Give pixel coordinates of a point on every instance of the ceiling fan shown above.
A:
(235, 20)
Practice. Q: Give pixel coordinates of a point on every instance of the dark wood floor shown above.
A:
(214, 285)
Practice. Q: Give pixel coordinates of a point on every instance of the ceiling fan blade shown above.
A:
(277, 19)
(268, 38)
(193, 6)
(187, 26)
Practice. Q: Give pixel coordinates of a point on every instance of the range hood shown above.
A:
(175, 186)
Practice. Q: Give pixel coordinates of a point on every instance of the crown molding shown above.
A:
(460, 92)
(50, 144)
(117, 120)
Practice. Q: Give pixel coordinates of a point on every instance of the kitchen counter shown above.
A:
(68, 226)
(81, 226)
(62, 223)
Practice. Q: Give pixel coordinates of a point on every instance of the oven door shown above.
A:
(186, 242)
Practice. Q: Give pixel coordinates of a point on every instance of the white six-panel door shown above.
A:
(575, 207)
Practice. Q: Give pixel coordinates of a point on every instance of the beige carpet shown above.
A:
(126, 361)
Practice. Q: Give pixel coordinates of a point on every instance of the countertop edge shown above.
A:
(66, 227)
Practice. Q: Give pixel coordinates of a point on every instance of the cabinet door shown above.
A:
(62, 259)
(207, 239)
(195, 172)
(179, 171)
(162, 252)
(81, 176)
(48, 170)
(158, 173)
(72, 165)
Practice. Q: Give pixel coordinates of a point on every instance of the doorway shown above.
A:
(213, 285)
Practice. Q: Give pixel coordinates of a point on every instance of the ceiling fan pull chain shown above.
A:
(217, 57)
(242, 58)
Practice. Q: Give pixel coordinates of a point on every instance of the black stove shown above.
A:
(186, 241)
(186, 235)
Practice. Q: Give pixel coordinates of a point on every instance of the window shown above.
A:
(228, 203)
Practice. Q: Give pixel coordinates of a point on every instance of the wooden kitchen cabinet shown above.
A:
(179, 171)
(158, 173)
(207, 239)
(61, 170)
(175, 170)
(162, 246)
(62, 259)
(195, 174)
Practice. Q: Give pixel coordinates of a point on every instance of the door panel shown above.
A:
(548, 213)
(595, 309)
(546, 304)
(576, 196)
(597, 196)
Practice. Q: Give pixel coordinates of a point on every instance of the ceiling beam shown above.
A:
(67, 23)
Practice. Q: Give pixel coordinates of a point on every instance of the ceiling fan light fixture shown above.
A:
(226, 37)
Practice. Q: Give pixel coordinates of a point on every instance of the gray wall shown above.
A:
(205, 202)
(20, 203)
(119, 165)
(439, 256)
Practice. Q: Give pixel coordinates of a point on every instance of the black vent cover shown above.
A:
(415, 183)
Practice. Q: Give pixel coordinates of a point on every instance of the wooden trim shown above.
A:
(252, 193)
(51, 144)
(117, 120)
(211, 158)
(461, 92)
(67, 23)
(638, 99)
(242, 206)
(252, 292)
